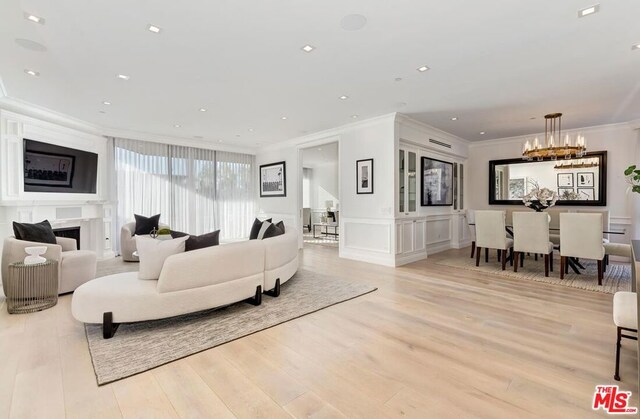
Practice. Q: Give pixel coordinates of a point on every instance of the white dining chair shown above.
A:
(471, 219)
(531, 235)
(581, 237)
(490, 234)
(625, 317)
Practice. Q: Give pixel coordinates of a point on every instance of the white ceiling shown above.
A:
(320, 155)
(494, 64)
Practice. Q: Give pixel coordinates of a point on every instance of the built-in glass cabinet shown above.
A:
(407, 181)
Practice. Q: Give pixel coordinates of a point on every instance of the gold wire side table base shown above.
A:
(32, 288)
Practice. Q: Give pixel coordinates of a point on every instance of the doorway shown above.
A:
(320, 195)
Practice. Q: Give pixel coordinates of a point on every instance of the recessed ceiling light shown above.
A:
(177, 125)
(250, 130)
(32, 72)
(482, 133)
(354, 116)
(589, 10)
(353, 22)
(202, 110)
(221, 141)
(106, 102)
(123, 77)
(454, 118)
(636, 46)
(423, 68)
(283, 118)
(343, 97)
(154, 29)
(34, 18)
(308, 48)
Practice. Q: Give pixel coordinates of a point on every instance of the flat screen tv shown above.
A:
(52, 168)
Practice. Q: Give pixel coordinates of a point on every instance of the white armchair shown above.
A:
(75, 267)
(531, 235)
(490, 234)
(581, 237)
(128, 241)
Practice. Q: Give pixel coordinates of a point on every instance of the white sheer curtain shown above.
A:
(195, 190)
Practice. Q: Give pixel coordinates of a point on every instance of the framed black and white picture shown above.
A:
(586, 194)
(518, 187)
(46, 169)
(437, 182)
(364, 176)
(565, 180)
(273, 180)
(585, 179)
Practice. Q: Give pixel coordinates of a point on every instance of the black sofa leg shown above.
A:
(108, 326)
(256, 300)
(275, 292)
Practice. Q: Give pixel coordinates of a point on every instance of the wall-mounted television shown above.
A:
(52, 168)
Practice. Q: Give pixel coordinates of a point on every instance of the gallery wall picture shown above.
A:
(364, 176)
(585, 179)
(518, 187)
(437, 183)
(586, 194)
(565, 180)
(45, 169)
(273, 180)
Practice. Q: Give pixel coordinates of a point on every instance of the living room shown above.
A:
(268, 210)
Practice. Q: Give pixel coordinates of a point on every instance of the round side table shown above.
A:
(32, 288)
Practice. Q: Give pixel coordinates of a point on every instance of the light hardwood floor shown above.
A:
(433, 341)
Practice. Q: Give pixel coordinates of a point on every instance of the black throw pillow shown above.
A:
(144, 225)
(280, 225)
(273, 231)
(40, 232)
(255, 229)
(198, 242)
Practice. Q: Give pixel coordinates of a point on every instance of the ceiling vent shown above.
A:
(440, 143)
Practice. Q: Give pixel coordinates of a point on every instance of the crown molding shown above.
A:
(521, 138)
(635, 124)
(406, 119)
(180, 141)
(44, 114)
(318, 137)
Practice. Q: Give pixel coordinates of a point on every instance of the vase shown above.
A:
(34, 253)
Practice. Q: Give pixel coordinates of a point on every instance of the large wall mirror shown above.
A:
(577, 181)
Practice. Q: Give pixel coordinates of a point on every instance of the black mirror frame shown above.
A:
(602, 179)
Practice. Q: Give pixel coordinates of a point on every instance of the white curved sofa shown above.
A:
(190, 282)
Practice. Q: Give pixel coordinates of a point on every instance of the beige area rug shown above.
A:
(617, 277)
(138, 347)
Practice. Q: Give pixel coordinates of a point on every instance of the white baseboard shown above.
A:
(404, 260)
(438, 247)
(376, 258)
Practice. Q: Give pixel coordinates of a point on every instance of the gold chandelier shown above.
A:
(549, 150)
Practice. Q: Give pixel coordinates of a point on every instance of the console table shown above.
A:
(326, 232)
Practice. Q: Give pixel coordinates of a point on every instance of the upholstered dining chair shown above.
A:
(581, 237)
(625, 317)
(531, 235)
(471, 219)
(490, 234)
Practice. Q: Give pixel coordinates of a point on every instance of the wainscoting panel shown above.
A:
(411, 240)
(367, 240)
(439, 233)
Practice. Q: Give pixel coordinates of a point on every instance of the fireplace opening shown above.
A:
(69, 232)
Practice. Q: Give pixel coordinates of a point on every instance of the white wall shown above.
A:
(619, 140)
(324, 185)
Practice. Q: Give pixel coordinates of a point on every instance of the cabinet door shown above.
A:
(408, 237)
(411, 181)
(401, 181)
(420, 227)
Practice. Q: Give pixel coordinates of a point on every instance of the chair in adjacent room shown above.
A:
(490, 234)
(581, 237)
(471, 219)
(625, 317)
(531, 235)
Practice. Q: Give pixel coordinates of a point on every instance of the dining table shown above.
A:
(573, 263)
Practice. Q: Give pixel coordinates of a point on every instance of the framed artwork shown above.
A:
(437, 183)
(566, 193)
(585, 179)
(565, 180)
(47, 169)
(273, 180)
(586, 194)
(364, 176)
(517, 188)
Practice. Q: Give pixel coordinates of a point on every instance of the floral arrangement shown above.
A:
(539, 198)
(633, 178)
